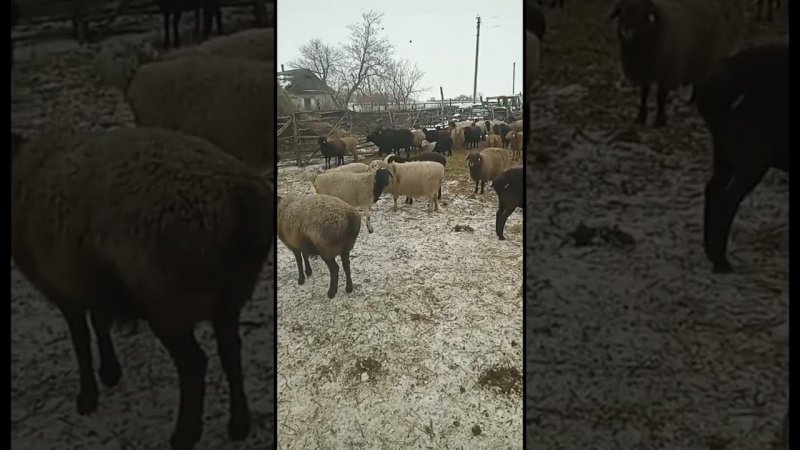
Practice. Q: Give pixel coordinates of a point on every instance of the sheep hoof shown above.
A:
(640, 119)
(501, 237)
(369, 228)
(331, 293)
(109, 375)
(301, 280)
(660, 122)
(87, 403)
(348, 288)
(180, 441)
(308, 272)
(239, 429)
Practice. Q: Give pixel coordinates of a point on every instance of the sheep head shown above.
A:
(383, 178)
(322, 140)
(637, 20)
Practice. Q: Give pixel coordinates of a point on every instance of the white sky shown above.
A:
(442, 34)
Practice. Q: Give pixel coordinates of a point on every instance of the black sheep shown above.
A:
(211, 9)
(472, 136)
(508, 186)
(536, 21)
(502, 129)
(332, 149)
(391, 140)
(745, 104)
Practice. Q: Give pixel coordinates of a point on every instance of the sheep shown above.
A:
(425, 156)
(390, 140)
(501, 130)
(414, 179)
(494, 140)
(359, 189)
(472, 136)
(487, 164)
(536, 20)
(353, 167)
(321, 225)
(334, 148)
(175, 94)
(515, 144)
(745, 105)
(419, 136)
(175, 8)
(770, 4)
(457, 135)
(509, 136)
(144, 223)
(672, 43)
(428, 146)
(509, 186)
(444, 145)
(254, 44)
(516, 125)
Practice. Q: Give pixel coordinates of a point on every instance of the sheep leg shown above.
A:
(166, 30)
(197, 22)
(207, 17)
(483, 184)
(395, 202)
(176, 34)
(724, 193)
(301, 278)
(661, 101)
(218, 16)
(346, 266)
(191, 363)
(367, 214)
(79, 333)
(440, 192)
(308, 265)
(110, 371)
(334, 269)
(644, 92)
(229, 347)
(476, 186)
(503, 212)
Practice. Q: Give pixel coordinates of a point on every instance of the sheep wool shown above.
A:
(360, 190)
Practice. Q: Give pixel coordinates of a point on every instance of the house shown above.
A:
(306, 91)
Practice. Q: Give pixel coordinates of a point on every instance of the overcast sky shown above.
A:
(442, 34)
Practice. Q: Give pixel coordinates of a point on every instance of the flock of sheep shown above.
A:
(327, 224)
(741, 92)
(743, 97)
(169, 221)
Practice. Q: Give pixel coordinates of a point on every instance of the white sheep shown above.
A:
(321, 225)
(360, 190)
(414, 179)
(255, 44)
(427, 146)
(419, 136)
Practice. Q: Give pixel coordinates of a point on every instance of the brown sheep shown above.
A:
(494, 140)
(517, 142)
(321, 225)
(486, 164)
(143, 223)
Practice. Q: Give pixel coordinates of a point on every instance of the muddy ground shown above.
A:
(53, 87)
(426, 350)
(631, 342)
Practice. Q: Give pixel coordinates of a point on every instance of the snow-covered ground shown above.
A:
(426, 351)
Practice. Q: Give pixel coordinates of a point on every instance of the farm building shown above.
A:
(306, 90)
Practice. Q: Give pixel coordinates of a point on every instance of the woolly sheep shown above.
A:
(672, 43)
(235, 115)
(516, 125)
(516, 142)
(144, 223)
(359, 189)
(425, 156)
(414, 179)
(494, 140)
(254, 44)
(472, 136)
(457, 135)
(321, 225)
(487, 164)
(509, 187)
(427, 146)
(353, 167)
(745, 104)
(419, 136)
(331, 149)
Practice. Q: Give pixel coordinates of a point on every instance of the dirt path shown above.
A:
(631, 342)
(425, 352)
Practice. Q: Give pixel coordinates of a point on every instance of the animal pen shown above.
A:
(298, 133)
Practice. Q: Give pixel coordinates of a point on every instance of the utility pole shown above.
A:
(477, 45)
(513, 77)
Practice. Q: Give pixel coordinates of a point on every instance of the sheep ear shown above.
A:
(614, 13)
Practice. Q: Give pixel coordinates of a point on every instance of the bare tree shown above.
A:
(318, 57)
(400, 81)
(364, 56)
